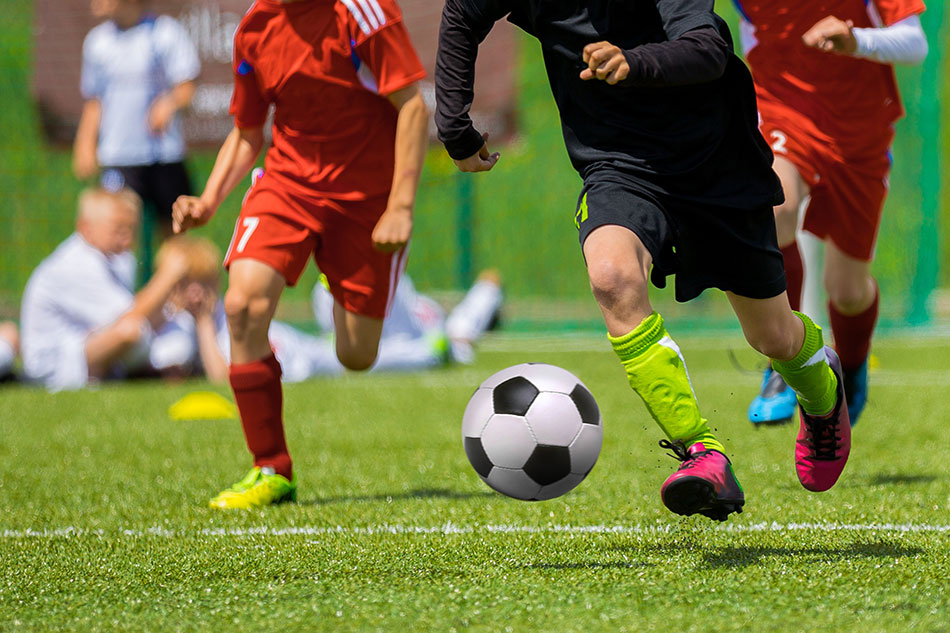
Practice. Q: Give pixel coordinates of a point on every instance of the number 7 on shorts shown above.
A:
(250, 224)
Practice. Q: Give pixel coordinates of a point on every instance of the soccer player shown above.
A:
(349, 138)
(828, 100)
(138, 74)
(659, 120)
(81, 320)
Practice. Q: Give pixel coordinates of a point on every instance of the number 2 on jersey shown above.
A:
(778, 145)
(250, 224)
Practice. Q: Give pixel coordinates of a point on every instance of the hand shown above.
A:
(189, 211)
(832, 35)
(161, 113)
(85, 164)
(480, 161)
(605, 62)
(199, 299)
(393, 229)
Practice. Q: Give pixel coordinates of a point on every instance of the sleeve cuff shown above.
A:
(465, 145)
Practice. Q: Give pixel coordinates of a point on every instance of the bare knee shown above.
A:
(616, 283)
(774, 341)
(247, 314)
(356, 359)
(850, 296)
(786, 220)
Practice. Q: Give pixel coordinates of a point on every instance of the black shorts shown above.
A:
(705, 246)
(158, 185)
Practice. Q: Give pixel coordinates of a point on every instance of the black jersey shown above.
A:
(683, 124)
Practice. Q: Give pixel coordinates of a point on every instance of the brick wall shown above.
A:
(62, 24)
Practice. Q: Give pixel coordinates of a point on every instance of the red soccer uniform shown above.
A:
(326, 66)
(831, 115)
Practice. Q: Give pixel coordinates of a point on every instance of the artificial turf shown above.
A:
(104, 525)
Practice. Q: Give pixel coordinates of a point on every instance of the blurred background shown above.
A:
(518, 218)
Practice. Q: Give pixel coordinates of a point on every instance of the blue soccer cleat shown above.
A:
(776, 401)
(856, 390)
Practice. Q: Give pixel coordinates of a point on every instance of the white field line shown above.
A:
(452, 528)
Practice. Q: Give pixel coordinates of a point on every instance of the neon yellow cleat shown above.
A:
(260, 487)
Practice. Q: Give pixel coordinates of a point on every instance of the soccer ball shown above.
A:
(532, 431)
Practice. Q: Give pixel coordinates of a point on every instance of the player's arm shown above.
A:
(105, 345)
(903, 42)
(695, 57)
(93, 82)
(394, 227)
(85, 163)
(697, 50)
(167, 105)
(179, 62)
(235, 159)
(465, 24)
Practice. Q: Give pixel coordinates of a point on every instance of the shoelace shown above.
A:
(824, 432)
(679, 450)
(680, 453)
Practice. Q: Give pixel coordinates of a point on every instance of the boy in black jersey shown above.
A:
(659, 119)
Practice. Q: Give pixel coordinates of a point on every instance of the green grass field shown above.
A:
(104, 525)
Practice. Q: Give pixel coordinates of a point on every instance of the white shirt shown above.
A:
(74, 291)
(125, 70)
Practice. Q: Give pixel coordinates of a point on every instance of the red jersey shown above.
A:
(326, 65)
(846, 97)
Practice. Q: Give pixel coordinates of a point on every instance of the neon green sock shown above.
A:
(657, 372)
(809, 374)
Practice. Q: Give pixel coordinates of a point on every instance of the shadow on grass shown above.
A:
(743, 556)
(620, 564)
(684, 547)
(421, 493)
(882, 479)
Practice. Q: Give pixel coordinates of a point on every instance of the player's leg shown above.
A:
(795, 346)
(776, 401)
(613, 224)
(362, 280)
(357, 338)
(254, 289)
(847, 215)
(786, 226)
(271, 245)
(853, 300)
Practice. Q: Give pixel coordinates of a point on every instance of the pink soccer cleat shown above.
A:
(703, 484)
(823, 443)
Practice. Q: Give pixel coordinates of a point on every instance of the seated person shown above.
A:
(81, 320)
(9, 348)
(416, 335)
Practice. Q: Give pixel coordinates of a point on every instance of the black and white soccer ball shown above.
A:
(532, 431)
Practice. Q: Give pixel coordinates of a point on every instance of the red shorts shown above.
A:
(283, 227)
(847, 194)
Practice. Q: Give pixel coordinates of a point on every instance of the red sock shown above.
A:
(259, 398)
(853, 333)
(794, 275)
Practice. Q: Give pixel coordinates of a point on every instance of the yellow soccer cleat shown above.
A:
(260, 487)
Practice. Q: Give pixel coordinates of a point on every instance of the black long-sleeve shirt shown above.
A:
(683, 123)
